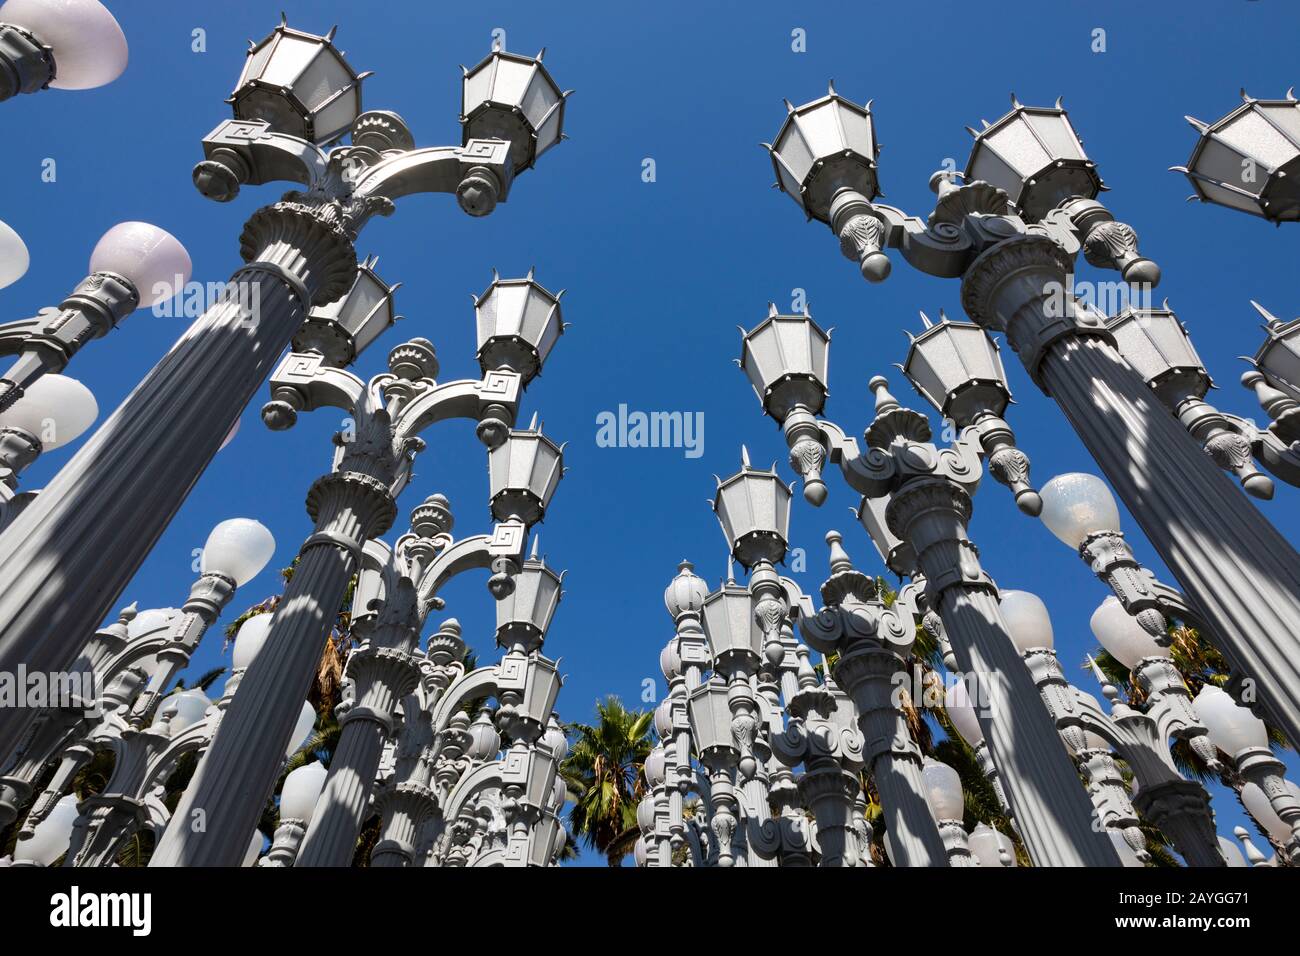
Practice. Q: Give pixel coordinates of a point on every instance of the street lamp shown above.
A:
(134, 265)
(1249, 160)
(299, 252)
(518, 323)
(948, 804)
(1013, 238)
(298, 796)
(50, 841)
(64, 44)
(512, 97)
(54, 411)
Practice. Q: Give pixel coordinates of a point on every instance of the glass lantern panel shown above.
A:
(1252, 135)
(550, 332)
(821, 130)
(541, 96)
(789, 183)
(1017, 146)
(975, 352)
(794, 150)
(1056, 132)
(990, 168)
(254, 65)
(1225, 165)
(338, 114)
(857, 129)
(511, 302)
(1228, 197)
(511, 81)
(1286, 117)
(537, 308)
(320, 80)
(292, 56)
(478, 86)
(548, 133)
(791, 340)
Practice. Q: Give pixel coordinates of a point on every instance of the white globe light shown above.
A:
(302, 729)
(152, 259)
(89, 48)
(238, 548)
(1121, 634)
(52, 835)
(249, 640)
(1258, 806)
(182, 709)
(942, 790)
(14, 258)
(150, 620)
(1232, 727)
(956, 701)
(55, 409)
(1027, 620)
(301, 790)
(1076, 505)
(989, 845)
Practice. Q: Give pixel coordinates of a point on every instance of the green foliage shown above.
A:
(603, 773)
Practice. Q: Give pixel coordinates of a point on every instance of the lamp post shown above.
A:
(927, 494)
(64, 44)
(1011, 232)
(384, 668)
(948, 804)
(298, 252)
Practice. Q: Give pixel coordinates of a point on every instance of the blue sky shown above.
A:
(660, 274)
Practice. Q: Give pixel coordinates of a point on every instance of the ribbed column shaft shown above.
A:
(1238, 571)
(867, 673)
(67, 558)
(332, 836)
(237, 775)
(1050, 805)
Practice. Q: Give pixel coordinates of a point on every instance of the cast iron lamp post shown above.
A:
(1012, 232)
(927, 491)
(64, 44)
(139, 467)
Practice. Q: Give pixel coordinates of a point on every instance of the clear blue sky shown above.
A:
(660, 274)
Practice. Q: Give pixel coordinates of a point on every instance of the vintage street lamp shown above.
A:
(134, 265)
(1013, 238)
(992, 847)
(1249, 160)
(299, 252)
(1244, 738)
(948, 804)
(1156, 344)
(957, 368)
(343, 329)
(54, 411)
(518, 323)
(64, 44)
(300, 85)
(298, 798)
(513, 98)
(51, 838)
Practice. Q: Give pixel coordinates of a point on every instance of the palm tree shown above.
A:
(603, 772)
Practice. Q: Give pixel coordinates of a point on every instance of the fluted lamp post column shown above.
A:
(1011, 232)
(138, 468)
(59, 44)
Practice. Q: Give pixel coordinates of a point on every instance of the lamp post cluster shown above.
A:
(452, 780)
